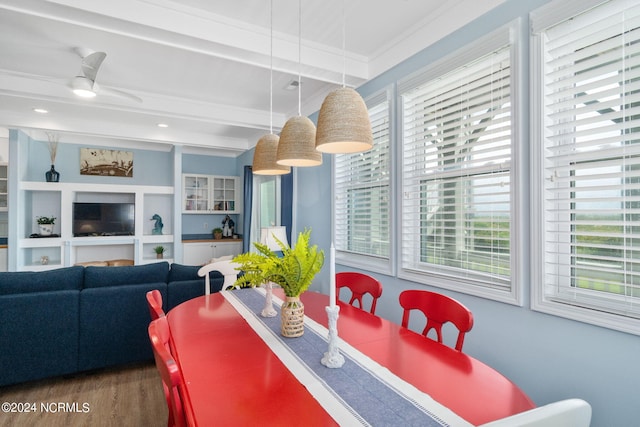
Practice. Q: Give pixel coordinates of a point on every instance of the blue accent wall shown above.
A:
(549, 357)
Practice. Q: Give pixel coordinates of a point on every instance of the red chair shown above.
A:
(438, 309)
(359, 284)
(154, 300)
(179, 413)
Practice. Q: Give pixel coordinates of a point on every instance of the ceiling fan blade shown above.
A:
(91, 64)
(102, 90)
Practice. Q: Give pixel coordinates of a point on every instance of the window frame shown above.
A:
(551, 14)
(378, 264)
(509, 34)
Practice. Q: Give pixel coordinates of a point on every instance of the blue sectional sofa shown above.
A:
(75, 319)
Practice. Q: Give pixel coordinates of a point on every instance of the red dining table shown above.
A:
(233, 378)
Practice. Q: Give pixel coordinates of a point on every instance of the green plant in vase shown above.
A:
(46, 219)
(159, 250)
(294, 272)
(45, 224)
(217, 233)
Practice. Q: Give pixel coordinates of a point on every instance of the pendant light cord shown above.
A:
(299, 57)
(344, 46)
(271, 67)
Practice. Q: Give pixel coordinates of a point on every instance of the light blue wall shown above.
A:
(149, 167)
(313, 210)
(209, 165)
(550, 358)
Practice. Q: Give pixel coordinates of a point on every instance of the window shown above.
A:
(266, 203)
(361, 182)
(457, 185)
(587, 168)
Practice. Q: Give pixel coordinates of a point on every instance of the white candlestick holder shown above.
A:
(333, 358)
(268, 310)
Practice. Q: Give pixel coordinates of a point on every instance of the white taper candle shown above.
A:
(332, 276)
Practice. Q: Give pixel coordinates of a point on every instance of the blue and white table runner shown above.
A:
(362, 392)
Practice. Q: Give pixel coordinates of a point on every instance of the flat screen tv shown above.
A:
(103, 219)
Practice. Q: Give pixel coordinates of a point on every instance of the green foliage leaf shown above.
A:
(294, 271)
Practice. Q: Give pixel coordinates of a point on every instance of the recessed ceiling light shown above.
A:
(40, 110)
(163, 125)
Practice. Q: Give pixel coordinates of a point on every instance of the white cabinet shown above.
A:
(211, 194)
(197, 194)
(199, 253)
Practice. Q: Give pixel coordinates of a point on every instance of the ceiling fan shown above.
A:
(84, 84)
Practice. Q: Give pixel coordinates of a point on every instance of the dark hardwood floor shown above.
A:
(129, 396)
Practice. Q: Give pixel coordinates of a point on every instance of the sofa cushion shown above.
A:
(22, 282)
(113, 324)
(38, 335)
(180, 272)
(98, 277)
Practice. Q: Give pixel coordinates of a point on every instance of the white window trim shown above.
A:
(510, 33)
(539, 300)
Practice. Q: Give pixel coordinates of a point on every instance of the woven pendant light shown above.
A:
(266, 152)
(343, 120)
(297, 143)
(264, 157)
(343, 123)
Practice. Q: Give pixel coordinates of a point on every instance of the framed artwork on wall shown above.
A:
(94, 161)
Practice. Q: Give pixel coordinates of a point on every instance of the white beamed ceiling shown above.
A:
(201, 66)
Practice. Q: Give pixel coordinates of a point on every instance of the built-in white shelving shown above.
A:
(56, 199)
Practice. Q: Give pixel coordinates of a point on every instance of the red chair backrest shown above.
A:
(172, 382)
(359, 284)
(154, 300)
(438, 309)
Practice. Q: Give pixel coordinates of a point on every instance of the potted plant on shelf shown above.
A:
(293, 271)
(45, 225)
(217, 233)
(159, 250)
